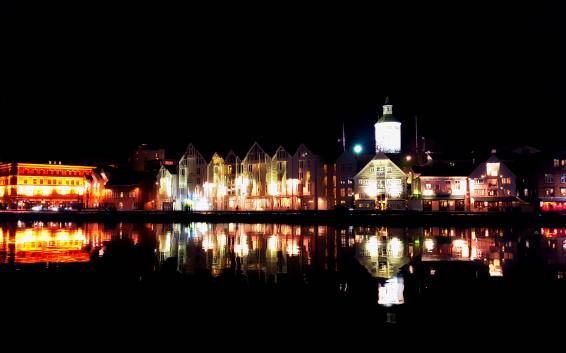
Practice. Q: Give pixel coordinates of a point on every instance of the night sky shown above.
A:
(77, 81)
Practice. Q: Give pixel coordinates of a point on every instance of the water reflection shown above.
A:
(270, 252)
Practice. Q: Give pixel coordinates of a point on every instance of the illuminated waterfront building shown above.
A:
(381, 185)
(234, 181)
(388, 131)
(440, 187)
(23, 185)
(215, 187)
(130, 190)
(552, 183)
(278, 177)
(192, 176)
(167, 182)
(256, 165)
(95, 184)
(492, 187)
(346, 168)
(306, 180)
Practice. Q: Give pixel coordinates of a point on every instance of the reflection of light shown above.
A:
(429, 244)
(272, 243)
(272, 189)
(396, 247)
(391, 293)
(293, 248)
(372, 246)
(222, 240)
(462, 247)
(241, 249)
(495, 268)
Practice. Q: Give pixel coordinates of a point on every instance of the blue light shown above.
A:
(358, 149)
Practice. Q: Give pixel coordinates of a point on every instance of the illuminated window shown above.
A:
(549, 178)
(342, 192)
(492, 169)
(562, 191)
(556, 163)
(479, 181)
(492, 182)
(121, 194)
(563, 179)
(505, 181)
(549, 192)
(492, 193)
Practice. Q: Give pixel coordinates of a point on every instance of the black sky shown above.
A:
(77, 81)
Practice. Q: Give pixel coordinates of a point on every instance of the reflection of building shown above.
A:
(381, 184)
(492, 187)
(23, 185)
(382, 251)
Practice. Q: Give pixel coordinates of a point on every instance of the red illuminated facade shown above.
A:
(24, 185)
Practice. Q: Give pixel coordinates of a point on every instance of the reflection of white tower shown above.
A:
(388, 131)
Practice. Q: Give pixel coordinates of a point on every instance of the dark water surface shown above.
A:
(260, 276)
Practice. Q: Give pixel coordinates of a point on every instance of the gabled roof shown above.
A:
(444, 169)
(231, 157)
(379, 157)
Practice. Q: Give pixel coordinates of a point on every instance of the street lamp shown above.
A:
(358, 149)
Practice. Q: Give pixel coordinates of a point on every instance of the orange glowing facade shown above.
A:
(23, 185)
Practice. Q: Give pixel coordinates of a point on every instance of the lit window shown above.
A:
(549, 178)
(548, 191)
(556, 163)
(492, 169)
(562, 191)
(563, 179)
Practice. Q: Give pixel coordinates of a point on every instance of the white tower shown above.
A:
(388, 131)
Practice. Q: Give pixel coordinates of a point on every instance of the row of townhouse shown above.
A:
(257, 182)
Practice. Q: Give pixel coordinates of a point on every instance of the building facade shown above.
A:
(441, 188)
(492, 187)
(380, 185)
(167, 183)
(192, 174)
(27, 185)
(552, 183)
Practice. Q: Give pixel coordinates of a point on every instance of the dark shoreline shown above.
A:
(338, 218)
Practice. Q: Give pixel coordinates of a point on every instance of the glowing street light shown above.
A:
(358, 149)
